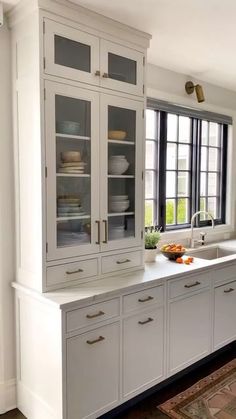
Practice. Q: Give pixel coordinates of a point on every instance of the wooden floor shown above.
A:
(147, 408)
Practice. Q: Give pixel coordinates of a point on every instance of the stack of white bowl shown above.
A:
(119, 203)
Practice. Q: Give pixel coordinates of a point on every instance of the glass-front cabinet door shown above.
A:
(121, 175)
(72, 159)
(71, 53)
(121, 68)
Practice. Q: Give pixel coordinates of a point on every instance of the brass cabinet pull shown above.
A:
(106, 231)
(146, 321)
(228, 290)
(144, 300)
(105, 75)
(119, 262)
(74, 272)
(92, 316)
(91, 342)
(98, 73)
(192, 285)
(99, 232)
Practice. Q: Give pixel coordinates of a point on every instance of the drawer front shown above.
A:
(72, 271)
(87, 316)
(143, 299)
(222, 275)
(188, 284)
(121, 261)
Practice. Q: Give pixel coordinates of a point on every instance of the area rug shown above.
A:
(211, 397)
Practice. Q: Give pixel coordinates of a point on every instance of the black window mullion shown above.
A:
(162, 170)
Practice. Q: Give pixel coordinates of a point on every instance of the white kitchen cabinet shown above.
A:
(224, 314)
(78, 55)
(92, 372)
(143, 350)
(189, 329)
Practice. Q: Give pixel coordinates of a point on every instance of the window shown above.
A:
(185, 168)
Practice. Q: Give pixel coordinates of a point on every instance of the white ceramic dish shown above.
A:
(117, 166)
(119, 206)
(68, 127)
(117, 134)
(70, 156)
(119, 198)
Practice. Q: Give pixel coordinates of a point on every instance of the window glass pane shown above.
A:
(203, 180)
(149, 213)
(171, 157)
(204, 137)
(212, 184)
(171, 127)
(183, 184)
(203, 208)
(184, 129)
(203, 158)
(184, 157)
(170, 211)
(149, 184)
(214, 134)
(213, 159)
(212, 207)
(182, 211)
(150, 124)
(170, 184)
(150, 154)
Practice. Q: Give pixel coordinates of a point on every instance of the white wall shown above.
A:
(7, 353)
(170, 86)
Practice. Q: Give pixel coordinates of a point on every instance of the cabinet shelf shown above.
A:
(121, 142)
(73, 217)
(72, 175)
(73, 137)
(121, 176)
(118, 214)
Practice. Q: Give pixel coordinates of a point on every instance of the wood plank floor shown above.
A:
(147, 408)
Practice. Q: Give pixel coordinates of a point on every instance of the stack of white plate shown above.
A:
(71, 163)
(116, 232)
(119, 203)
(69, 207)
(68, 127)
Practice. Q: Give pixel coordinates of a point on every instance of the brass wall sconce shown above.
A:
(190, 87)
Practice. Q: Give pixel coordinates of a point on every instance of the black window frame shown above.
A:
(195, 161)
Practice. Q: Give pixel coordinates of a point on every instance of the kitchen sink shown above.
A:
(211, 253)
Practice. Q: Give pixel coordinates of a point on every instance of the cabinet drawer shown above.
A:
(188, 284)
(144, 298)
(121, 261)
(224, 274)
(72, 271)
(93, 314)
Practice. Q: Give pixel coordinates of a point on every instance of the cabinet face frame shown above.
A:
(53, 89)
(53, 28)
(107, 47)
(105, 101)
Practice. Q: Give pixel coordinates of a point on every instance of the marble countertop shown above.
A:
(152, 275)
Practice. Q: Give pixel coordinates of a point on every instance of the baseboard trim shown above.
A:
(7, 395)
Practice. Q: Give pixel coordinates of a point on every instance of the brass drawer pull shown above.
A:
(74, 272)
(106, 231)
(192, 285)
(105, 75)
(99, 232)
(92, 316)
(146, 321)
(91, 342)
(119, 262)
(97, 73)
(144, 300)
(228, 290)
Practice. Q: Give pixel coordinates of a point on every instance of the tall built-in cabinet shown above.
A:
(79, 100)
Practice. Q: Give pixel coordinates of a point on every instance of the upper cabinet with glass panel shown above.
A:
(77, 55)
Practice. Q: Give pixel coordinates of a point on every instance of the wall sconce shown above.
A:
(190, 87)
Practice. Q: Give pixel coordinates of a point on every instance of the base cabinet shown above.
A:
(225, 314)
(143, 340)
(92, 372)
(189, 330)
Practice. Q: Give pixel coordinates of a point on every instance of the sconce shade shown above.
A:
(190, 87)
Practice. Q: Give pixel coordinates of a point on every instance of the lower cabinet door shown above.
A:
(225, 315)
(143, 362)
(189, 330)
(92, 372)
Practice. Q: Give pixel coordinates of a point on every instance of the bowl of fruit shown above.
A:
(173, 251)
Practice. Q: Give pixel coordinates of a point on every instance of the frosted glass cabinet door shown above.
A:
(71, 53)
(121, 172)
(121, 68)
(72, 171)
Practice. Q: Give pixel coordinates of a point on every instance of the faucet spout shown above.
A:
(192, 222)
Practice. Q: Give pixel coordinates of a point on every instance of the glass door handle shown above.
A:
(105, 75)
(99, 232)
(98, 73)
(106, 231)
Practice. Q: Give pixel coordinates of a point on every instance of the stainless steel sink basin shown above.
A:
(211, 253)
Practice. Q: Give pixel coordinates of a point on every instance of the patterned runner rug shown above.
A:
(211, 397)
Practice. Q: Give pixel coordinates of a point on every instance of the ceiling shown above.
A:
(194, 37)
